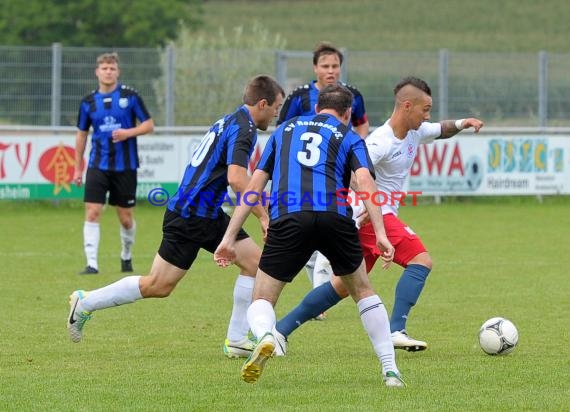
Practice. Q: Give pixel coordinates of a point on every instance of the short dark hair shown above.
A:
(336, 97)
(262, 87)
(323, 48)
(415, 82)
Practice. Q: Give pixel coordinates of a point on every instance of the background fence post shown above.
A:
(542, 89)
(281, 69)
(443, 93)
(170, 75)
(56, 84)
(443, 84)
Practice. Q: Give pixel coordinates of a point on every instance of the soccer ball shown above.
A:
(498, 336)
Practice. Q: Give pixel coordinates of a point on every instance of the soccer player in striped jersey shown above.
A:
(327, 62)
(392, 148)
(112, 111)
(309, 159)
(194, 219)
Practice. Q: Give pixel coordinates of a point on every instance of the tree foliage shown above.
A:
(101, 23)
(211, 71)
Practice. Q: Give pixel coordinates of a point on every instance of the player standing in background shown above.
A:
(112, 110)
(392, 148)
(327, 62)
(194, 219)
(313, 155)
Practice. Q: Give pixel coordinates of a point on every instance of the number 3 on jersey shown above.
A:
(311, 153)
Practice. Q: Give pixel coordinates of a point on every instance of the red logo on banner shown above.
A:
(57, 166)
(433, 162)
(22, 158)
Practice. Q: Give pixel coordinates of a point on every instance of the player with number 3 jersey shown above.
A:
(392, 149)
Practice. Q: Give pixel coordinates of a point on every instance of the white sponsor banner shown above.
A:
(464, 165)
(493, 165)
(35, 159)
(43, 159)
(41, 166)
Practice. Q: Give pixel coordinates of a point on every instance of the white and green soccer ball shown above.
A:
(498, 336)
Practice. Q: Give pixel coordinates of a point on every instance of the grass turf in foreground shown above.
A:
(492, 258)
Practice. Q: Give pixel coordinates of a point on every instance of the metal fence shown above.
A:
(42, 86)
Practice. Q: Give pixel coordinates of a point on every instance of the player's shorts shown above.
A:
(122, 187)
(292, 239)
(406, 243)
(182, 238)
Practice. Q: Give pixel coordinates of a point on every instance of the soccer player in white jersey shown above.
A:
(392, 148)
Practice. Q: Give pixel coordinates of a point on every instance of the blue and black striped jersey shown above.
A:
(106, 112)
(309, 160)
(204, 186)
(302, 101)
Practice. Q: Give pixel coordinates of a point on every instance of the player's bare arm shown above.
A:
(239, 180)
(145, 127)
(225, 252)
(450, 128)
(80, 143)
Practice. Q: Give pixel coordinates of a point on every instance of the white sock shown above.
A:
(375, 320)
(261, 317)
(125, 290)
(127, 240)
(91, 235)
(238, 327)
(310, 266)
(322, 271)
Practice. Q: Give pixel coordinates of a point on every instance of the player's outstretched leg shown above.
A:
(125, 290)
(77, 316)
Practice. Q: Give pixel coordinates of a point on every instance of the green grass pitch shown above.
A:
(506, 257)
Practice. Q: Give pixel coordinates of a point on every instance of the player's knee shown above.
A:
(428, 262)
(163, 292)
(126, 221)
(423, 259)
(338, 286)
(248, 264)
(152, 287)
(93, 215)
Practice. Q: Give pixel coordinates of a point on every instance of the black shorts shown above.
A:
(122, 187)
(292, 239)
(182, 238)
